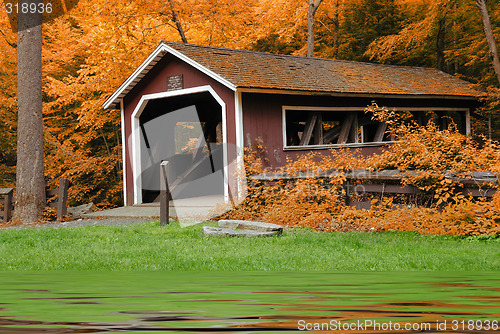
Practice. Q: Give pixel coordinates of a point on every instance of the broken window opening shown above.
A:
(336, 127)
(442, 119)
(306, 128)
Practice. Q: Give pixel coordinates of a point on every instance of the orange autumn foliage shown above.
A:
(317, 202)
(92, 49)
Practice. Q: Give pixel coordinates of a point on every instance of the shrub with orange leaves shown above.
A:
(308, 192)
(299, 199)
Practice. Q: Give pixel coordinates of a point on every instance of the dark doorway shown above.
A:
(187, 132)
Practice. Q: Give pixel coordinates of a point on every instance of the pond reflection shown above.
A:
(71, 302)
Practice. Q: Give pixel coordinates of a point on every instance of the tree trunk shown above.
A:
(175, 18)
(30, 182)
(311, 12)
(336, 26)
(483, 10)
(440, 44)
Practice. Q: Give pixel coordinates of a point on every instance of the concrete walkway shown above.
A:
(188, 211)
(199, 208)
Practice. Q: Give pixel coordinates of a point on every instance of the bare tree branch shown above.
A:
(311, 12)
(481, 5)
(12, 44)
(143, 32)
(175, 18)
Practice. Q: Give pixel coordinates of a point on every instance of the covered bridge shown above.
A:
(199, 106)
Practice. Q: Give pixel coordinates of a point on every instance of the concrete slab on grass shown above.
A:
(250, 225)
(226, 232)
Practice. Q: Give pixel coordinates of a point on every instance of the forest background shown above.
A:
(91, 50)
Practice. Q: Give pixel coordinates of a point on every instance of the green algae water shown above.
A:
(249, 302)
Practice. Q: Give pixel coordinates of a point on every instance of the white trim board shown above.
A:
(124, 156)
(238, 109)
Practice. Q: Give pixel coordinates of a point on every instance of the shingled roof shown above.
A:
(259, 70)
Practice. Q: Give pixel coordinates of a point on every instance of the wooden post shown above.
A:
(7, 203)
(347, 187)
(164, 194)
(318, 130)
(62, 208)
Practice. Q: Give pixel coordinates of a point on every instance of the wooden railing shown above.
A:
(7, 194)
(56, 198)
(360, 181)
(60, 203)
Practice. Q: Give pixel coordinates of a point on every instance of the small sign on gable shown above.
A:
(175, 82)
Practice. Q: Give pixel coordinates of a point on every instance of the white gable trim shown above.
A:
(124, 156)
(161, 50)
(136, 145)
(200, 67)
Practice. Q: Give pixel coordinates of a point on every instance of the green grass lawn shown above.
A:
(150, 246)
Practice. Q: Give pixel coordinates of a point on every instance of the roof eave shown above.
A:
(247, 89)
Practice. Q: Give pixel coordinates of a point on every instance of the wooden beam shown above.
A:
(389, 189)
(379, 135)
(346, 127)
(201, 144)
(354, 133)
(306, 136)
(331, 134)
(180, 182)
(318, 130)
